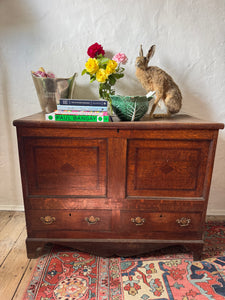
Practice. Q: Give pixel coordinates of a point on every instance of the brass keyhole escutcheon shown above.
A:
(48, 220)
(92, 220)
(138, 221)
(183, 222)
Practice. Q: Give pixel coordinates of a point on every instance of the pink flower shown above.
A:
(40, 74)
(120, 58)
(50, 75)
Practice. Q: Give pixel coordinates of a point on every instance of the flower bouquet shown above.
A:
(106, 71)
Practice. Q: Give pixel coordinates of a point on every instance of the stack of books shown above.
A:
(78, 110)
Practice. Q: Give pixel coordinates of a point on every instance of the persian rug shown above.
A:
(169, 274)
(214, 238)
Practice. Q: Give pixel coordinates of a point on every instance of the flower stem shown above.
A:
(105, 90)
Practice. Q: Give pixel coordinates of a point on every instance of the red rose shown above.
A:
(95, 50)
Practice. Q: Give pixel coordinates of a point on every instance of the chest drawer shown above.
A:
(142, 222)
(70, 220)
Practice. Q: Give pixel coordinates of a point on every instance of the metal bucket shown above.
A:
(51, 90)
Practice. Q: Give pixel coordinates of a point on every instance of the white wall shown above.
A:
(55, 34)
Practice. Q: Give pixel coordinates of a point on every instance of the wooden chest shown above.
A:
(118, 188)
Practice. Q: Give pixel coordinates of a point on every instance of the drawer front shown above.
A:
(171, 168)
(65, 166)
(143, 222)
(78, 220)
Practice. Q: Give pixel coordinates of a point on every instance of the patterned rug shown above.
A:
(214, 238)
(66, 274)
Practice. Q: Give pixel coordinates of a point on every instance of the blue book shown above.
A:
(79, 102)
(84, 107)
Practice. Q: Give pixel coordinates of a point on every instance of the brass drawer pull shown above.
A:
(92, 219)
(48, 220)
(138, 221)
(183, 222)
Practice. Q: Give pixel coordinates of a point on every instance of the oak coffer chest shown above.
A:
(117, 188)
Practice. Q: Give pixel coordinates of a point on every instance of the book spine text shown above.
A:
(80, 102)
(82, 108)
(78, 112)
(81, 118)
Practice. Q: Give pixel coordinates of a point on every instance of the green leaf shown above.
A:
(112, 80)
(118, 75)
(84, 72)
(92, 79)
(104, 60)
(100, 93)
(106, 86)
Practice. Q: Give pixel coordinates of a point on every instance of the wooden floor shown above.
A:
(15, 269)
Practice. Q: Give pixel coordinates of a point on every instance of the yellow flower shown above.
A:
(101, 75)
(109, 70)
(111, 67)
(113, 64)
(92, 66)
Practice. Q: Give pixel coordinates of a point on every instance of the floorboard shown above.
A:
(12, 227)
(15, 267)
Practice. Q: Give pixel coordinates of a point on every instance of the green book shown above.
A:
(81, 118)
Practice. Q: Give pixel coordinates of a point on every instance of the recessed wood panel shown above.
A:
(66, 166)
(166, 168)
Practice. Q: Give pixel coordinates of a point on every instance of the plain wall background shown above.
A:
(55, 34)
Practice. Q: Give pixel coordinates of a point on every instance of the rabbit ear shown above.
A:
(141, 51)
(151, 52)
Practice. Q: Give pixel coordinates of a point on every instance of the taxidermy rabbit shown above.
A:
(155, 79)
